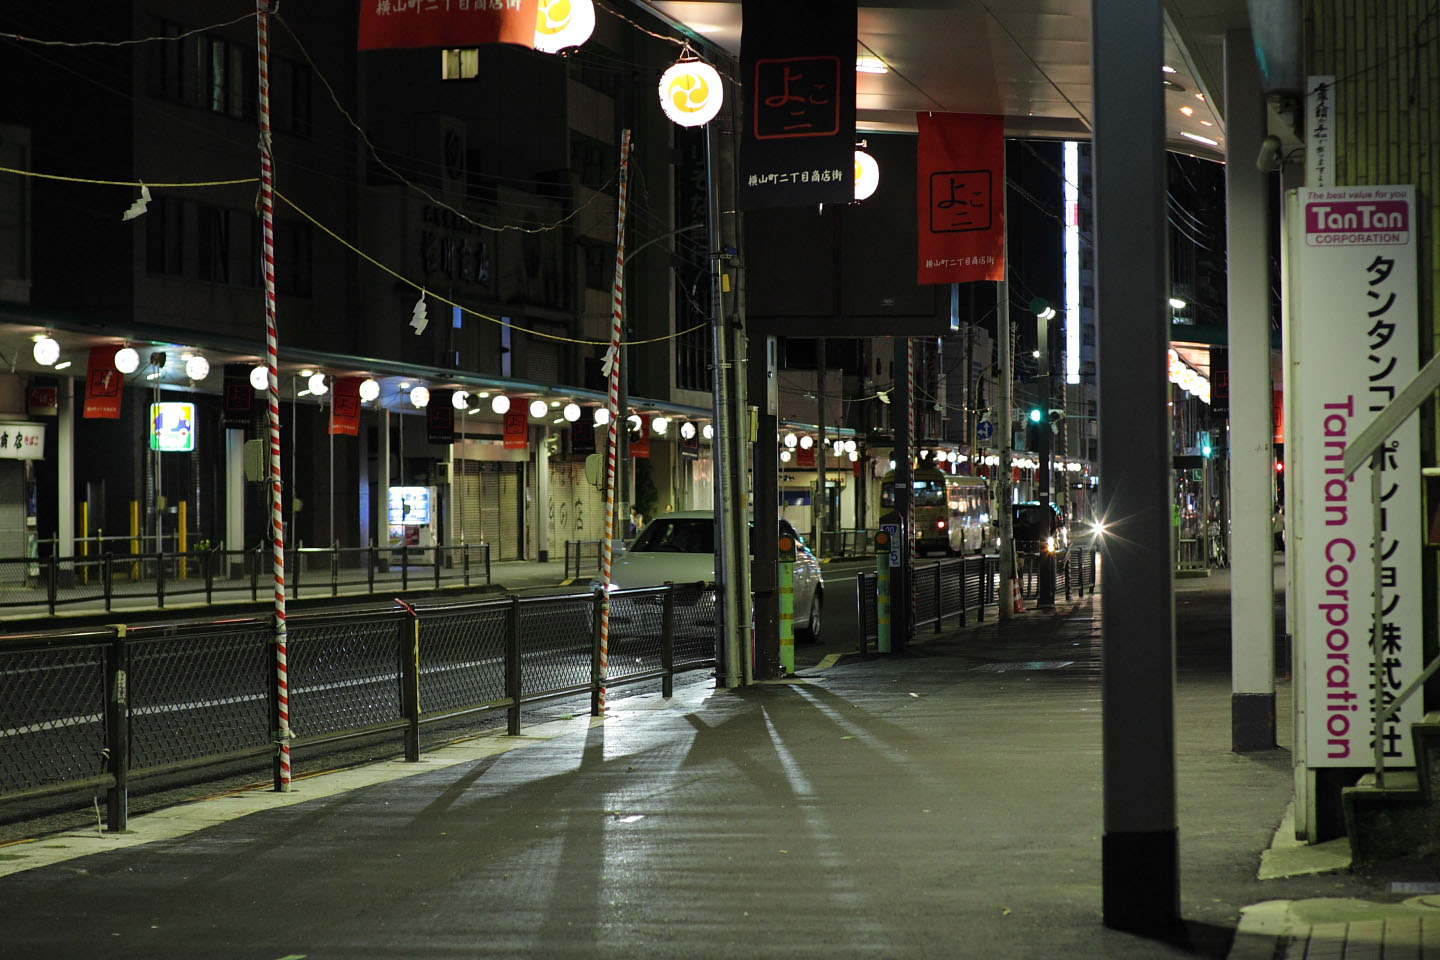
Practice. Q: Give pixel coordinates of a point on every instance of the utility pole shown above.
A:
(817, 508)
(1007, 430)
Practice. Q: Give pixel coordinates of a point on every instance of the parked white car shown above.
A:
(680, 548)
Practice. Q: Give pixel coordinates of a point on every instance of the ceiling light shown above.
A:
(259, 374)
(404, 384)
(867, 63)
(460, 399)
(1188, 111)
(47, 350)
(538, 408)
(420, 397)
(571, 412)
(1177, 303)
(307, 373)
(197, 367)
(128, 361)
(1168, 69)
(1199, 139)
(1206, 123)
(63, 364)
(316, 382)
(500, 403)
(1200, 97)
(369, 390)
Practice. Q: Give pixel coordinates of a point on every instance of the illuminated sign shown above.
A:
(172, 427)
(409, 506)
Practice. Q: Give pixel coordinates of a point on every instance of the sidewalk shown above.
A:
(940, 803)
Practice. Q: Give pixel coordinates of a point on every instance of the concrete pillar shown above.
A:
(382, 491)
(1252, 589)
(764, 550)
(65, 472)
(235, 498)
(1140, 848)
(542, 494)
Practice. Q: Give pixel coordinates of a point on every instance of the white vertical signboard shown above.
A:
(1354, 343)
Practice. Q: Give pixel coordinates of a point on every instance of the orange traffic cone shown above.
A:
(1015, 595)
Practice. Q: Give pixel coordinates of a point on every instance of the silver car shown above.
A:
(680, 548)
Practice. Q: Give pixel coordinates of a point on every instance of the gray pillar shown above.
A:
(235, 498)
(542, 493)
(382, 490)
(65, 472)
(1140, 875)
(1247, 239)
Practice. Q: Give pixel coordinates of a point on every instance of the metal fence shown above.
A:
(45, 583)
(956, 587)
(97, 709)
(845, 544)
(583, 556)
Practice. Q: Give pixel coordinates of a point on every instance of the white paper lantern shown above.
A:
(602, 416)
(500, 403)
(197, 367)
(784, 456)
(420, 397)
(369, 390)
(538, 408)
(867, 175)
(853, 455)
(563, 23)
(571, 412)
(128, 361)
(46, 351)
(791, 440)
(691, 93)
(317, 386)
(708, 432)
(660, 425)
(806, 442)
(460, 399)
(259, 374)
(687, 430)
(849, 446)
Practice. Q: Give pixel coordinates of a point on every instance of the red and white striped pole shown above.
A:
(267, 221)
(612, 435)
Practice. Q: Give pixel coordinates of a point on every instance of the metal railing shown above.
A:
(583, 556)
(840, 544)
(100, 709)
(46, 583)
(953, 588)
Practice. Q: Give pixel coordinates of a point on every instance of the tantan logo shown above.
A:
(1345, 222)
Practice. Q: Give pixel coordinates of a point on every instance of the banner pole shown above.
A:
(277, 530)
(613, 405)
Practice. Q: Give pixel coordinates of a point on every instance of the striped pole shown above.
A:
(267, 221)
(909, 554)
(613, 405)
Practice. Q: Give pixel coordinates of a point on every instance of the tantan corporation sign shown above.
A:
(1350, 222)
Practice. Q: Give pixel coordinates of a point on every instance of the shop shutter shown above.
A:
(489, 493)
(470, 519)
(12, 521)
(508, 509)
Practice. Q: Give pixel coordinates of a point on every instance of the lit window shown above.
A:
(459, 64)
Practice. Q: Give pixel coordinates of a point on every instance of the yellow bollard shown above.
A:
(882, 592)
(787, 604)
(182, 543)
(135, 538)
(84, 541)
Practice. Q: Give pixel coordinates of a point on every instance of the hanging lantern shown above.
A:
(659, 425)
(259, 374)
(806, 442)
(687, 430)
(128, 361)
(420, 397)
(571, 412)
(316, 383)
(538, 408)
(460, 399)
(691, 93)
(867, 175)
(563, 23)
(46, 350)
(197, 367)
(602, 416)
(369, 390)
(500, 403)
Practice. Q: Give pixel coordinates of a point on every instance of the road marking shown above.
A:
(828, 661)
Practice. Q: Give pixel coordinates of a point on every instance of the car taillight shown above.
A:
(940, 524)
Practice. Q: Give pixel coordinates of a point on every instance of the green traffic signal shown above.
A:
(1036, 415)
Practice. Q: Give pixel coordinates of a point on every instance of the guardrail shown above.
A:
(580, 552)
(843, 544)
(49, 582)
(103, 708)
(954, 587)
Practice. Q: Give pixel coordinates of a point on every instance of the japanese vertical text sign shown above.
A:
(345, 407)
(446, 23)
(440, 418)
(797, 69)
(1319, 133)
(960, 197)
(237, 404)
(104, 385)
(515, 427)
(1353, 343)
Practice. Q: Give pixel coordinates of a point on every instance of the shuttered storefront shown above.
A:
(12, 521)
(489, 509)
(577, 508)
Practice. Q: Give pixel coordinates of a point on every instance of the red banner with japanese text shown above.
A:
(345, 407)
(516, 428)
(104, 385)
(446, 23)
(960, 197)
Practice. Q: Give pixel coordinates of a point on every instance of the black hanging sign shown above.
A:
(238, 403)
(797, 68)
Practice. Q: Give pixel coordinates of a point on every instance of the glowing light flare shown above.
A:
(691, 93)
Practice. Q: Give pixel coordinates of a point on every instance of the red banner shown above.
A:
(345, 407)
(517, 427)
(805, 458)
(104, 385)
(640, 442)
(446, 23)
(960, 198)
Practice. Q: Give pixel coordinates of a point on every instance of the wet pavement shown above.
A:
(944, 802)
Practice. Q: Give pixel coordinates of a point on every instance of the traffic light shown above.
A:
(1036, 415)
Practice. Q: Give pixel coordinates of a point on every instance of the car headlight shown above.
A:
(1049, 544)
